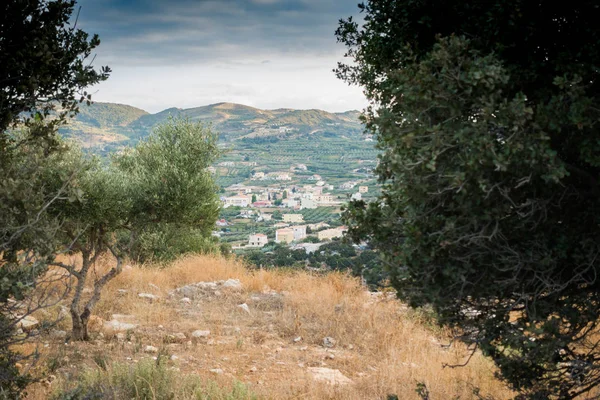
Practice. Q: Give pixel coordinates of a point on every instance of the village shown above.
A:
(300, 212)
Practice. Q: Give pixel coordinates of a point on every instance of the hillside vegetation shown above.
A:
(275, 347)
(106, 126)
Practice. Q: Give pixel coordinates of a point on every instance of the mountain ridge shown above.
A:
(104, 126)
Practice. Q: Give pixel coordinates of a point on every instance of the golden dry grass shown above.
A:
(380, 344)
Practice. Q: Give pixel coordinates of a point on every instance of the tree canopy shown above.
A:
(486, 115)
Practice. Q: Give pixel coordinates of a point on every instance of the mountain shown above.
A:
(104, 127)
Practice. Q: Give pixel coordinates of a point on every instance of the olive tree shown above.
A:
(164, 181)
(487, 118)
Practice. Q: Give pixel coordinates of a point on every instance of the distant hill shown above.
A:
(106, 126)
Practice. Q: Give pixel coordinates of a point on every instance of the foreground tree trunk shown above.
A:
(80, 316)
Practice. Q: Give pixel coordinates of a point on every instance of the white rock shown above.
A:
(148, 296)
(186, 300)
(200, 334)
(217, 371)
(150, 349)
(330, 376)
(153, 286)
(253, 369)
(329, 342)
(234, 284)
(118, 326)
(27, 323)
(244, 307)
(298, 339)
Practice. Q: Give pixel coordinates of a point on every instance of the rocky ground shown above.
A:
(284, 335)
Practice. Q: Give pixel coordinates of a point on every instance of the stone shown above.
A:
(330, 376)
(200, 334)
(153, 286)
(233, 284)
(244, 307)
(150, 349)
(122, 292)
(58, 334)
(329, 342)
(117, 326)
(186, 300)
(298, 339)
(253, 369)
(178, 337)
(216, 371)
(121, 337)
(27, 323)
(148, 296)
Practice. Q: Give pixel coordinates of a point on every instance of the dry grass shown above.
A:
(380, 344)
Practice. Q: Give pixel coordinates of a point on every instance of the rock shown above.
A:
(153, 286)
(174, 357)
(178, 337)
(27, 323)
(186, 300)
(117, 326)
(233, 284)
(329, 342)
(58, 334)
(122, 292)
(330, 376)
(244, 307)
(121, 337)
(64, 311)
(200, 334)
(298, 339)
(148, 296)
(217, 371)
(150, 349)
(329, 356)
(253, 369)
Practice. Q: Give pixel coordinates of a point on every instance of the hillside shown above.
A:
(104, 127)
(273, 334)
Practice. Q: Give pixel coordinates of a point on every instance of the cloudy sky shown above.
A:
(188, 53)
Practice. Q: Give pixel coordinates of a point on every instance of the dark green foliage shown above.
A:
(44, 59)
(487, 114)
(44, 64)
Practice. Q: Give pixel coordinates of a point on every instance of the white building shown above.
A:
(299, 231)
(257, 240)
(356, 196)
(293, 218)
(238, 201)
(308, 203)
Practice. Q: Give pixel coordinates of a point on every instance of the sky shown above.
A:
(188, 53)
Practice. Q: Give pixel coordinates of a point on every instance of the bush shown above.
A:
(147, 380)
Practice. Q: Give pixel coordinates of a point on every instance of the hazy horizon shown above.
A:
(266, 54)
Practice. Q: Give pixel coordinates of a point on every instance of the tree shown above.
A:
(161, 185)
(45, 63)
(254, 198)
(486, 114)
(277, 215)
(284, 196)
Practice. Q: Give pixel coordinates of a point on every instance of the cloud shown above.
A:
(258, 42)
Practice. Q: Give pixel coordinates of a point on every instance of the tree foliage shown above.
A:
(155, 196)
(45, 64)
(487, 114)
